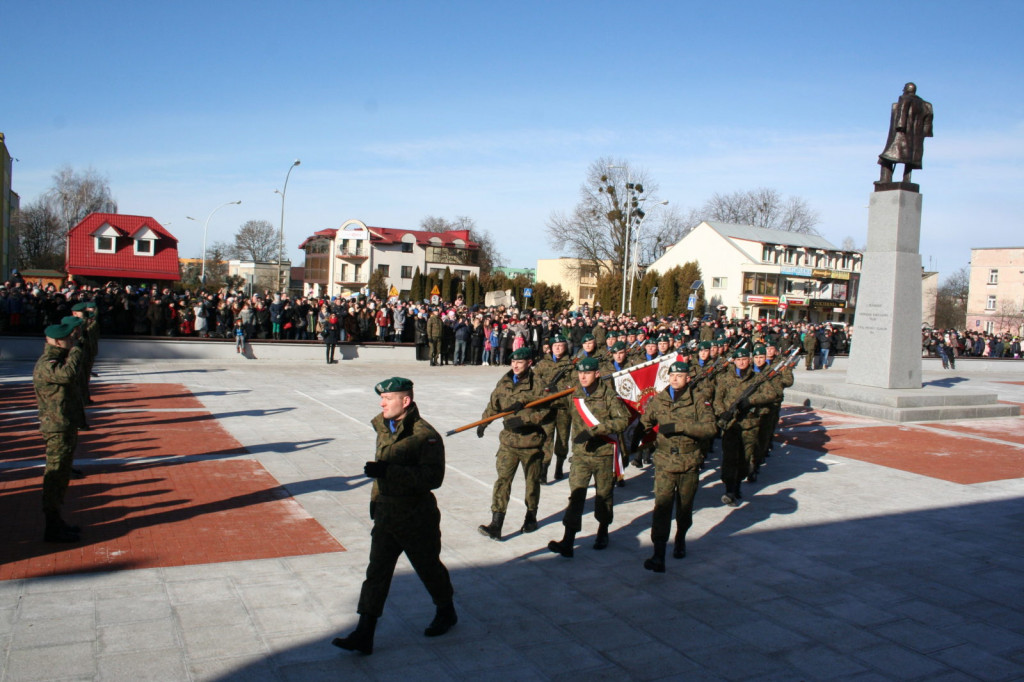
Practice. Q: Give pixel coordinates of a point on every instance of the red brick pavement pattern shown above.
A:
(149, 514)
(957, 457)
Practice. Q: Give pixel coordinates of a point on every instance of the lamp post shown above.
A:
(634, 271)
(280, 246)
(206, 224)
(625, 246)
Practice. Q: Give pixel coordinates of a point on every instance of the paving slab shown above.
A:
(867, 550)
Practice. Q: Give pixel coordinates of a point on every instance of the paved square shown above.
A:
(865, 551)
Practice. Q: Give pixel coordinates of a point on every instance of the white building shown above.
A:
(771, 274)
(340, 261)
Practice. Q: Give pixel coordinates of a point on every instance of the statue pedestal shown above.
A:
(886, 346)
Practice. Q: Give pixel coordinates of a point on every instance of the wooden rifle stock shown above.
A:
(535, 403)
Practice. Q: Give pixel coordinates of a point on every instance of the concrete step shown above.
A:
(928, 408)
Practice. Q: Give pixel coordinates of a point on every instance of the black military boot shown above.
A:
(493, 531)
(564, 546)
(443, 621)
(679, 551)
(360, 639)
(57, 531)
(657, 562)
(530, 522)
(559, 474)
(544, 473)
(602, 537)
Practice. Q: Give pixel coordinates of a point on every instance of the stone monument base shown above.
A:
(928, 403)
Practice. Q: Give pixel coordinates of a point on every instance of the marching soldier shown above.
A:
(683, 418)
(409, 464)
(554, 371)
(739, 420)
(588, 347)
(597, 414)
(57, 387)
(783, 380)
(522, 441)
(760, 364)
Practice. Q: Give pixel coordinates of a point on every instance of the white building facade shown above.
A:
(769, 274)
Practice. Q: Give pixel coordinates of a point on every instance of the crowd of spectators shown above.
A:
(470, 335)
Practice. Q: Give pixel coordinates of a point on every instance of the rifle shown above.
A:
(720, 363)
(488, 420)
(725, 419)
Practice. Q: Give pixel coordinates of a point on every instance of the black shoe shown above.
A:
(493, 530)
(602, 537)
(444, 620)
(729, 500)
(561, 547)
(657, 562)
(361, 639)
(530, 522)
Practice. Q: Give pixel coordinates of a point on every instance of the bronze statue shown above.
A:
(910, 123)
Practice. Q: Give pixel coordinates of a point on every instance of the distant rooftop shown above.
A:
(763, 234)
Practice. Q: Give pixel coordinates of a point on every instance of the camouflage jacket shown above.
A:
(548, 368)
(415, 457)
(610, 412)
(731, 384)
(56, 381)
(691, 419)
(507, 392)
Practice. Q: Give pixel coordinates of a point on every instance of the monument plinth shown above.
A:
(886, 347)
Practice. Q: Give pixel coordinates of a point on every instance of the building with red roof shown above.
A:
(340, 261)
(106, 246)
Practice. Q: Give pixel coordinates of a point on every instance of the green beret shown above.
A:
(665, 338)
(771, 344)
(72, 321)
(633, 332)
(618, 345)
(587, 365)
(587, 337)
(613, 334)
(59, 331)
(704, 345)
(392, 385)
(557, 338)
(759, 350)
(650, 341)
(79, 307)
(523, 353)
(679, 366)
(741, 353)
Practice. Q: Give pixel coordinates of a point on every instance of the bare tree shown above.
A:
(39, 236)
(761, 207)
(613, 201)
(488, 257)
(76, 194)
(256, 240)
(951, 300)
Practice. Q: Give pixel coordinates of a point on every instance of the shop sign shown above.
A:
(827, 303)
(821, 274)
(766, 300)
(839, 274)
(798, 272)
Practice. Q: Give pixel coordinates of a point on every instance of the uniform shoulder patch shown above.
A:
(432, 441)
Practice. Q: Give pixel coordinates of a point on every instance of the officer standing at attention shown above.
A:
(57, 386)
(683, 418)
(556, 431)
(597, 414)
(522, 440)
(408, 465)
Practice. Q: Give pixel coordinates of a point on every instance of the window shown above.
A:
(104, 245)
(719, 282)
(143, 247)
(760, 283)
(990, 304)
(406, 247)
(384, 270)
(791, 257)
(344, 269)
(406, 271)
(990, 327)
(993, 277)
(767, 253)
(462, 274)
(356, 274)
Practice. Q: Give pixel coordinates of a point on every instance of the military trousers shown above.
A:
(739, 448)
(435, 349)
(421, 542)
(582, 470)
(556, 437)
(60, 450)
(673, 489)
(506, 463)
(765, 431)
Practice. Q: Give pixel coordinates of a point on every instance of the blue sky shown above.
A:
(399, 110)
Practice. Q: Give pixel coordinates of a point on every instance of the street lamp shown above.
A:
(634, 271)
(206, 223)
(625, 249)
(280, 246)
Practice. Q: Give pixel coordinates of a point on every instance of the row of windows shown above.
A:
(143, 247)
(407, 271)
(799, 257)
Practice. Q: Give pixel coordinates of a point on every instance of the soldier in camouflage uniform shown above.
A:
(556, 431)
(759, 357)
(597, 415)
(683, 418)
(408, 465)
(783, 380)
(588, 348)
(521, 440)
(57, 388)
(739, 429)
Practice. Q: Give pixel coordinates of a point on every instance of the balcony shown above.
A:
(354, 254)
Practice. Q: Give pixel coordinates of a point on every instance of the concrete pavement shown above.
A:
(865, 551)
